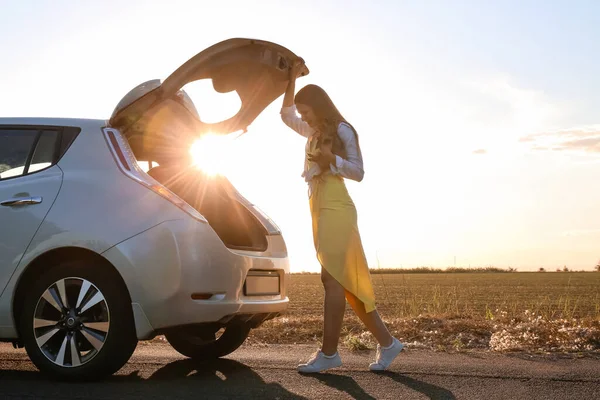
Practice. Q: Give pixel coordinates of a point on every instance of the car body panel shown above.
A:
(20, 223)
(198, 262)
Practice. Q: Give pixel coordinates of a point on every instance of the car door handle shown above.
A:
(22, 201)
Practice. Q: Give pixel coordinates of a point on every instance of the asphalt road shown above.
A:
(255, 372)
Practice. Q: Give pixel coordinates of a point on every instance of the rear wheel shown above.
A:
(208, 342)
(77, 323)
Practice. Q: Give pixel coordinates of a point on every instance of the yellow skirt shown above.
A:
(337, 240)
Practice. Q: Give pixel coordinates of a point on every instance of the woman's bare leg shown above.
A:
(334, 308)
(371, 320)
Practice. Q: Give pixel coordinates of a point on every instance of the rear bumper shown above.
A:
(167, 265)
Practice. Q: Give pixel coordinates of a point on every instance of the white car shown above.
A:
(96, 253)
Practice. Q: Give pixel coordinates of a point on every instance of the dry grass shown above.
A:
(449, 311)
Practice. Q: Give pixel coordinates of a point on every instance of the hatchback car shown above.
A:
(97, 252)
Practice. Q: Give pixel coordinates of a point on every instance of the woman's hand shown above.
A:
(294, 70)
(324, 157)
(297, 65)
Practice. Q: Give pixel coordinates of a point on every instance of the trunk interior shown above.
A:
(215, 198)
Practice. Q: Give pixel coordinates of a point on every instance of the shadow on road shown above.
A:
(188, 379)
(348, 384)
(184, 379)
(344, 384)
(220, 377)
(432, 391)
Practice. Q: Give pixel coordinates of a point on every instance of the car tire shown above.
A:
(202, 343)
(77, 323)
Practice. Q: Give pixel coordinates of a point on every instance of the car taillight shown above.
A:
(128, 164)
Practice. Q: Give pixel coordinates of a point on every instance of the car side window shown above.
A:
(25, 151)
(45, 151)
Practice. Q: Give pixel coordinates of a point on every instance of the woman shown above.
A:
(332, 154)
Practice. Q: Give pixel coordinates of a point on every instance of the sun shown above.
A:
(211, 153)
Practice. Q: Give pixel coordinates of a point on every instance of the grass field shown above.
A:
(455, 311)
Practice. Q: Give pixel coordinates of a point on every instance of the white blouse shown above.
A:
(351, 168)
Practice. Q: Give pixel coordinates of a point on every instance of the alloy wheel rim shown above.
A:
(71, 322)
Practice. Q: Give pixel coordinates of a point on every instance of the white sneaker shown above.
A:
(385, 355)
(320, 362)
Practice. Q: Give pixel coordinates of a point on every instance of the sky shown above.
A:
(478, 121)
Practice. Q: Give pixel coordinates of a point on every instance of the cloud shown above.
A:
(590, 145)
(480, 151)
(527, 139)
(579, 139)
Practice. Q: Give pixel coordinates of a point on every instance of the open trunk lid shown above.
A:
(257, 70)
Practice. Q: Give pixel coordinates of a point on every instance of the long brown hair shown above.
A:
(328, 116)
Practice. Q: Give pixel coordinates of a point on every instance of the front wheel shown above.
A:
(204, 343)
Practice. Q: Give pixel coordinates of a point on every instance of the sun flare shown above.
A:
(210, 153)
